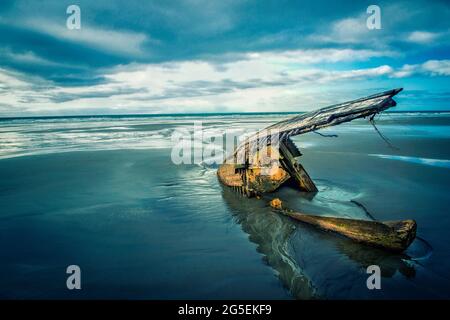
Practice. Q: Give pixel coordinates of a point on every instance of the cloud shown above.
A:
(349, 30)
(111, 41)
(27, 57)
(200, 17)
(322, 76)
(17, 90)
(315, 56)
(200, 55)
(59, 95)
(254, 69)
(252, 81)
(11, 80)
(422, 37)
(430, 68)
(256, 80)
(437, 67)
(401, 23)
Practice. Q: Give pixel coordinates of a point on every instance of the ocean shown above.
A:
(103, 193)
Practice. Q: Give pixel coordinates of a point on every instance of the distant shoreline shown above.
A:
(158, 115)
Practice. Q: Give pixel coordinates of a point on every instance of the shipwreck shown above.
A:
(267, 160)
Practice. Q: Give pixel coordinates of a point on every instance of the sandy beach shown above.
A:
(104, 194)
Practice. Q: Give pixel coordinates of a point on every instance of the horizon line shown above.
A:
(190, 114)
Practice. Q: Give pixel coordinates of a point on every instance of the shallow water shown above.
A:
(104, 194)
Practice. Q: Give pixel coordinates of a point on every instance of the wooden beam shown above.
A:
(296, 170)
(390, 235)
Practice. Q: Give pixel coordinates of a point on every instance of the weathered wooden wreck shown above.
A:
(265, 161)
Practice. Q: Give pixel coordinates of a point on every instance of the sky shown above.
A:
(218, 56)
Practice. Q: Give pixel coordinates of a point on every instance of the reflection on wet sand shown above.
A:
(271, 233)
(389, 263)
(312, 263)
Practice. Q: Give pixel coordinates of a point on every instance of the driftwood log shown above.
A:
(267, 160)
(391, 235)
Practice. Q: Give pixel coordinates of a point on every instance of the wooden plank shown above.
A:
(296, 170)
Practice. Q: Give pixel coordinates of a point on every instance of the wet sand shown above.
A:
(141, 227)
